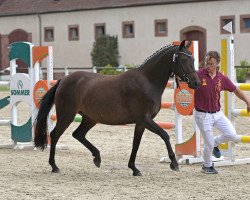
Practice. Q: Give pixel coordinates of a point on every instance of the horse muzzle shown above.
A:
(194, 84)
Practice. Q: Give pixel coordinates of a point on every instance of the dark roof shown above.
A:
(25, 7)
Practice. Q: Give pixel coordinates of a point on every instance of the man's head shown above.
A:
(212, 60)
(213, 54)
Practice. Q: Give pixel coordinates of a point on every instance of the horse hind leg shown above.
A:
(63, 122)
(80, 135)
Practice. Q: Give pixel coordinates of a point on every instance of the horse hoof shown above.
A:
(174, 167)
(97, 162)
(137, 173)
(56, 170)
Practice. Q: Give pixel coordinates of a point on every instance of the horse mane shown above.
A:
(156, 53)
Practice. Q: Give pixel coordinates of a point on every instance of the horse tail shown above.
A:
(41, 126)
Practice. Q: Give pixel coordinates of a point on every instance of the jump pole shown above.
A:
(22, 136)
(189, 151)
(41, 86)
(227, 66)
(20, 91)
(5, 102)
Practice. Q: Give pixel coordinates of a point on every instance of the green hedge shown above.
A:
(105, 51)
(241, 73)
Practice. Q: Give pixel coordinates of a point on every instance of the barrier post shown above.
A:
(227, 66)
(190, 150)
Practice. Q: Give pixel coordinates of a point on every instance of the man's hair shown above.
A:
(215, 55)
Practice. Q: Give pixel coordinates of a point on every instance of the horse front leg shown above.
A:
(138, 132)
(155, 128)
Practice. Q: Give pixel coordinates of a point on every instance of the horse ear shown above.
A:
(182, 44)
(189, 44)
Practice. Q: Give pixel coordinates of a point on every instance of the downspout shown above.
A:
(40, 29)
(40, 41)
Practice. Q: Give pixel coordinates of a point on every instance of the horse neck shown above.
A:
(159, 68)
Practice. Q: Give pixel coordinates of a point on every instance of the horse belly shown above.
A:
(110, 114)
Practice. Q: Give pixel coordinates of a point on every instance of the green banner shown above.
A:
(20, 50)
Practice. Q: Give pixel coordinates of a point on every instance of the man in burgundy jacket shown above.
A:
(207, 109)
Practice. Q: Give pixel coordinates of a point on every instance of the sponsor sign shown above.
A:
(184, 99)
(40, 89)
(20, 86)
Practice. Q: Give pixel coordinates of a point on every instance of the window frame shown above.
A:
(222, 18)
(156, 24)
(243, 29)
(49, 28)
(96, 25)
(70, 31)
(128, 23)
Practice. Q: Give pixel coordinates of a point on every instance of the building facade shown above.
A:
(142, 27)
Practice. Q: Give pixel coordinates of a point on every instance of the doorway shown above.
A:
(199, 34)
(20, 35)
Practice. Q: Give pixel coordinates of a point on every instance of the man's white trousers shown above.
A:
(206, 122)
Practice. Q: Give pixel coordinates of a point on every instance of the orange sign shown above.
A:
(187, 148)
(184, 99)
(40, 89)
(39, 53)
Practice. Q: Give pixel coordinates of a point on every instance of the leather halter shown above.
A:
(184, 76)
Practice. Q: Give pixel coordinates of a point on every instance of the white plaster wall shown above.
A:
(133, 50)
(29, 23)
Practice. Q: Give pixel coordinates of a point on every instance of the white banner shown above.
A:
(20, 89)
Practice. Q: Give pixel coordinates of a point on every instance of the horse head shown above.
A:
(184, 66)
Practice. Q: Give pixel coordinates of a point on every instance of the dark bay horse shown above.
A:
(131, 97)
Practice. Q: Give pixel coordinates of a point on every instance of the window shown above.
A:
(128, 29)
(161, 27)
(73, 31)
(225, 20)
(245, 23)
(48, 34)
(100, 30)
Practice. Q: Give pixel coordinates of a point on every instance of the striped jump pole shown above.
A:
(3, 103)
(167, 105)
(78, 118)
(166, 125)
(243, 86)
(240, 112)
(245, 139)
(227, 66)
(5, 83)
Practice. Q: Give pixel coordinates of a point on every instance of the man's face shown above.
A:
(211, 64)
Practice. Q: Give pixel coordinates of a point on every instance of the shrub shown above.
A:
(241, 73)
(131, 66)
(105, 51)
(109, 70)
